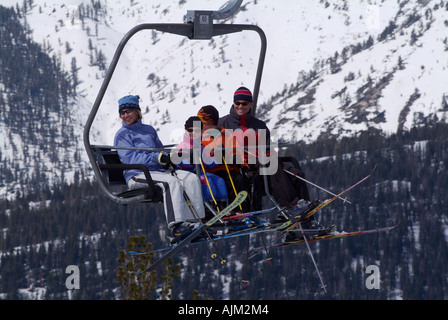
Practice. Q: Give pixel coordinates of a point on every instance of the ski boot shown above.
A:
(180, 231)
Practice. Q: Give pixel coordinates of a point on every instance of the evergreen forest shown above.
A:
(75, 224)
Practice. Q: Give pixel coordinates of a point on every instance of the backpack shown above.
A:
(285, 188)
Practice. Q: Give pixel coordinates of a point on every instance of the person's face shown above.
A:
(129, 115)
(242, 107)
(194, 132)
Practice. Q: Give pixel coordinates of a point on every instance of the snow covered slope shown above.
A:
(175, 76)
(332, 68)
(392, 81)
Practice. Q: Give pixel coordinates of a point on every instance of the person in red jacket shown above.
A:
(240, 116)
(224, 149)
(285, 189)
(251, 132)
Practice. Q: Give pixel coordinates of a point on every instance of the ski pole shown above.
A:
(312, 259)
(305, 180)
(208, 184)
(315, 185)
(230, 178)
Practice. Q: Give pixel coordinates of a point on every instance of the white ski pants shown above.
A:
(175, 205)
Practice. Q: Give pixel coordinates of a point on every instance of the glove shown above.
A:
(165, 161)
(248, 173)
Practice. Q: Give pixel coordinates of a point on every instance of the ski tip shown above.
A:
(242, 195)
(395, 225)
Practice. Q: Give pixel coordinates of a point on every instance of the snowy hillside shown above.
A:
(332, 68)
(392, 81)
(175, 77)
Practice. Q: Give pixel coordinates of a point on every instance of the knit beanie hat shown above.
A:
(129, 102)
(209, 115)
(242, 93)
(190, 122)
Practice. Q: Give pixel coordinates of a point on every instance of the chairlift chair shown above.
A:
(198, 26)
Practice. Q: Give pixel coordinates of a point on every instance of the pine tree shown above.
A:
(142, 286)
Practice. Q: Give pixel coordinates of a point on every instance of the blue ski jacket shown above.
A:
(138, 135)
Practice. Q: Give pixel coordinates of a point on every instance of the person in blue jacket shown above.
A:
(134, 133)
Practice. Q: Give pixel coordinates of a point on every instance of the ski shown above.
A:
(241, 196)
(257, 230)
(217, 237)
(234, 234)
(289, 225)
(334, 235)
(313, 208)
(312, 235)
(242, 215)
(231, 234)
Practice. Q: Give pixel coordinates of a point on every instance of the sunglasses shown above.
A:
(237, 103)
(125, 111)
